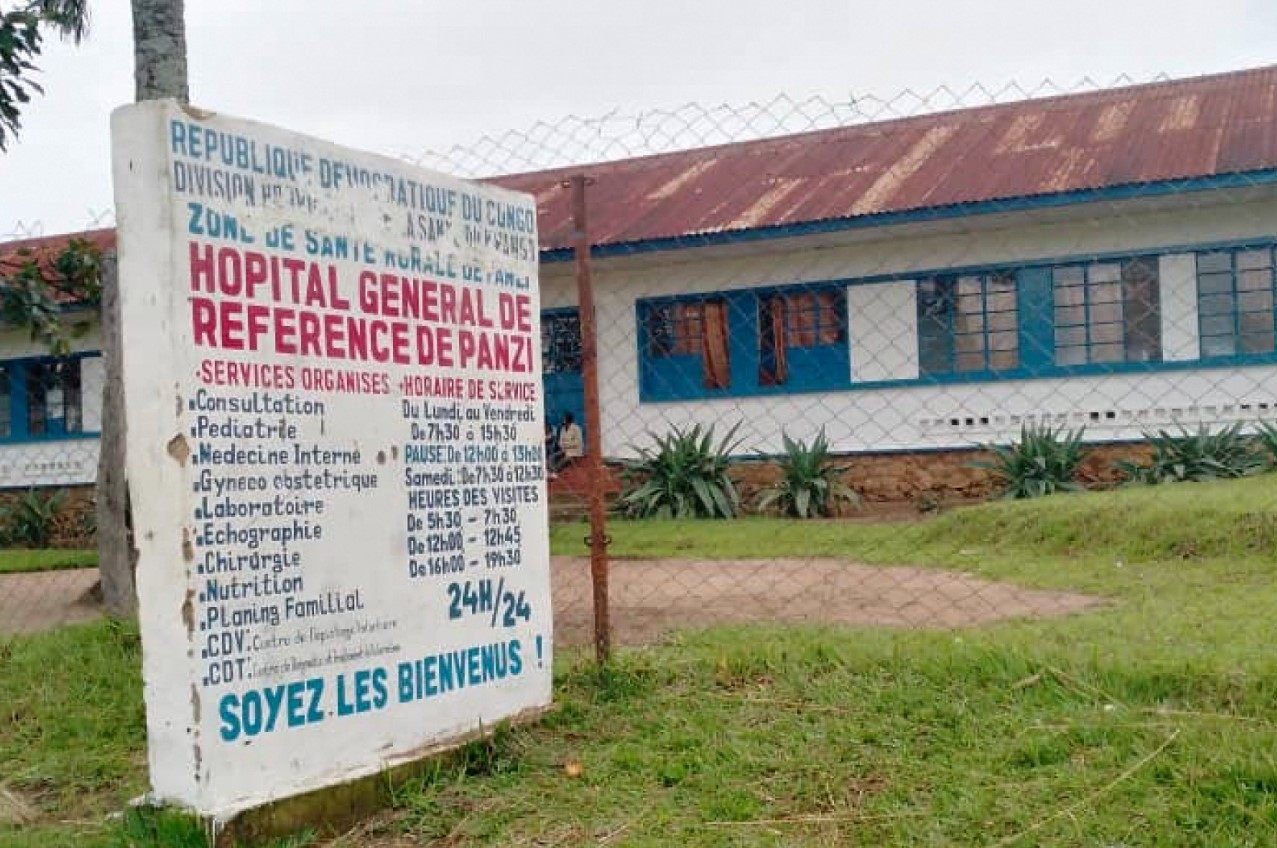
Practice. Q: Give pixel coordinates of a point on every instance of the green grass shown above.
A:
(1138, 524)
(14, 561)
(1149, 722)
(71, 728)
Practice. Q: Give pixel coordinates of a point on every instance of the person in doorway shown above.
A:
(571, 440)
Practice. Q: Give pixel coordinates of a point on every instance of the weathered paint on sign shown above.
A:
(335, 455)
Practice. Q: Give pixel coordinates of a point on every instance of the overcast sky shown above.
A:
(404, 75)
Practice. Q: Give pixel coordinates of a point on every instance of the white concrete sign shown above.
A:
(335, 454)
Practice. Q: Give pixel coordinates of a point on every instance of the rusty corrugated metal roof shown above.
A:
(1162, 132)
(1175, 130)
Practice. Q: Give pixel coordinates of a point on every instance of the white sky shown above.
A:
(407, 75)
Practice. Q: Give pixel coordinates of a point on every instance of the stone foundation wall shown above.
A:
(942, 476)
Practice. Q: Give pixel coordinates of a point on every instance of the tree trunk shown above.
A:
(116, 557)
(159, 49)
(159, 65)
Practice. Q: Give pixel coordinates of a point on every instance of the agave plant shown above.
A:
(1196, 457)
(1266, 435)
(683, 475)
(1044, 461)
(809, 486)
(31, 520)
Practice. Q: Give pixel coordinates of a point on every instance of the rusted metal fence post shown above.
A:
(593, 422)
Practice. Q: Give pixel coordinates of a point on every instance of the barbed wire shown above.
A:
(618, 134)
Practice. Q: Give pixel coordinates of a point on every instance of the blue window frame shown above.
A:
(802, 337)
(685, 347)
(1235, 303)
(1107, 312)
(1090, 315)
(747, 342)
(968, 323)
(41, 399)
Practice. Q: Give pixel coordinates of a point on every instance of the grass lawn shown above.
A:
(1150, 722)
(14, 561)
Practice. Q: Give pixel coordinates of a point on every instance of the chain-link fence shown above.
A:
(869, 281)
(816, 334)
(843, 321)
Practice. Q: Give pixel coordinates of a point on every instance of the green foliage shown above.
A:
(156, 826)
(68, 18)
(809, 486)
(88, 523)
(21, 42)
(31, 520)
(1266, 437)
(32, 297)
(683, 476)
(1197, 457)
(1044, 461)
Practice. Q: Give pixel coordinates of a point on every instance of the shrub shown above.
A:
(1044, 461)
(1266, 436)
(1197, 457)
(683, 476)
(31, 520)
(809, 486)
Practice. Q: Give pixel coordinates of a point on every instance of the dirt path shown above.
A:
(45, 599)
(652, 597)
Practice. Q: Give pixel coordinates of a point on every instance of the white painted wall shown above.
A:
(950, 415)
(1177, 277)
(883, 326)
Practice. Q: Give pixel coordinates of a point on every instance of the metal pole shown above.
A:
(593, 422)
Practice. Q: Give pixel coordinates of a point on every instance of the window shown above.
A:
(676, 329)
(789, 323)
(688, 332)
(1235, 302)
(968, 323)
(53, 398)
(561, 342)
(6, 400)
(41, 399)
(1107, 312)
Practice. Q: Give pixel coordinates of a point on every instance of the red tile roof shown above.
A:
(1190, 128)
(1202, 127)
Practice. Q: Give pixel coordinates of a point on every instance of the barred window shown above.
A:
(675, 329)
(561, 342)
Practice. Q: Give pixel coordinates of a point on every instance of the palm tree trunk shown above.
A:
(159, 49)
